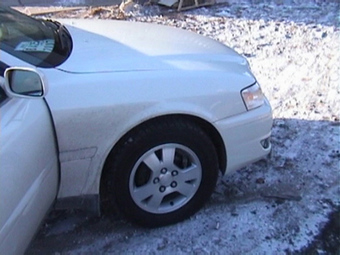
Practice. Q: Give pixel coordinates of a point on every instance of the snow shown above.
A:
(277, 205)
(70, 2)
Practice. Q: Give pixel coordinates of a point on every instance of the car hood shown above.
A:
(120, 46)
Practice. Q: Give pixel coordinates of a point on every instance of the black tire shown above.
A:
(171, 188)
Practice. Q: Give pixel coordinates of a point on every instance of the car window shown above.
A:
(43, 43)
(3, 96)
(3, 67)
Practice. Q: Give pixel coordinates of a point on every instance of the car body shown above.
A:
(101, 114)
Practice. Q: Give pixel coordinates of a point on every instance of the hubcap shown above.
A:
(165, 178)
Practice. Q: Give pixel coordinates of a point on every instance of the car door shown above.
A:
(29, 169)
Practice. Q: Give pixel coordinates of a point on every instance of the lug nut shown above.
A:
(161, 188)
(156, 180)
(174, 173)
(164, 170)
(173, 184)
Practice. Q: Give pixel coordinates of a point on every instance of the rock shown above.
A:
(260, 180)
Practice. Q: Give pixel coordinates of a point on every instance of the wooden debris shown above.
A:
(283, 197)
(182, 5)
(44, 10)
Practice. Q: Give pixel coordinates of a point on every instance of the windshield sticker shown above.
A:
(36, 46)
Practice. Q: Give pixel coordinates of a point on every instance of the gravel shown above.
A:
(281, 205)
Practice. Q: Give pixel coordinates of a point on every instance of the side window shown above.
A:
(3, 67)
(2, 95)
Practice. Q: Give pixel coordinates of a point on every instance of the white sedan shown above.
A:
(118, 116)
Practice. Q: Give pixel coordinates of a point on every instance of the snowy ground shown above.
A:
(276, 206)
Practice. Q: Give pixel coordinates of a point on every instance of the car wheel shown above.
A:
(163, 172)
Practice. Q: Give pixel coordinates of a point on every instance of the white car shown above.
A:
(116, 115)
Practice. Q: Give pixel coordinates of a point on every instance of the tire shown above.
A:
(162, 173)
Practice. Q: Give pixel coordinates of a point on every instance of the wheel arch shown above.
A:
(207, 127)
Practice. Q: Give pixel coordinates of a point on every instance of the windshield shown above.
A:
(43, 43)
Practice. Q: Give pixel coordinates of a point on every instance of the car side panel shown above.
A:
(87, 128)
(29, 174)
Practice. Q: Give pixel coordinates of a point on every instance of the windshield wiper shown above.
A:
(61, 33)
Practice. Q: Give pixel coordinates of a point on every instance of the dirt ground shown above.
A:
(285, 204)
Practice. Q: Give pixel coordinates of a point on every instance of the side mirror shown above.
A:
(24, 82)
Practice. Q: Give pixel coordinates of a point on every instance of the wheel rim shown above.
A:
(165, 178)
